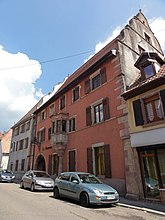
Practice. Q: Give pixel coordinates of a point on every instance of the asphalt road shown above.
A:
(19, 204)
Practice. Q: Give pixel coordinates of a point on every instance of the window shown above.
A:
(148, 70)
(98, 160)
(153, 169)
(16, 165)
(22, 128)
(147, 38)
(16, 131)
(61, 126)
(21, 143)
(76, 93)
(99, 79)
(26, 142)
(43, 115)
(27, 125)
(41, 135)
(51, 109)
(98, 112)
(141, 50)
(95, 81)
(153, 109)
(22, 164)
(150, 109)
(72, 125)
(49, 133)
(62, 102)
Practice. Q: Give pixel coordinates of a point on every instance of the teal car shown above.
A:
(85, 188)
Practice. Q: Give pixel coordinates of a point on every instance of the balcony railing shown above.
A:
(59, 138)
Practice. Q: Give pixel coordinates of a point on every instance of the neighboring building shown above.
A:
(21, 142)
(84, 126)
(5, 140)
(146, 107)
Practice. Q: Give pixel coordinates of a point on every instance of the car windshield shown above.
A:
(41, 174)
(88, 178)
(6, 172)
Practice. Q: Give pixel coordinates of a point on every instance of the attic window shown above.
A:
(147, 38)
(148, 70)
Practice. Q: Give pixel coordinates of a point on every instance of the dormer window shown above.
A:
(149, 64)
(148, 70)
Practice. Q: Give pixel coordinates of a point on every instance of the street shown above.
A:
(20, 204)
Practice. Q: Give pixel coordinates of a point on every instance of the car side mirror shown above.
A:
(75, 181)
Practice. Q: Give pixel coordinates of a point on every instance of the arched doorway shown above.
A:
(40, 163)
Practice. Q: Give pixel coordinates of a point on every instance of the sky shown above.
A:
(44, 41)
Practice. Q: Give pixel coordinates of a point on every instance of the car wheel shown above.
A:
(56, 193)
(21, 185)
(32, 187)
(84, 199)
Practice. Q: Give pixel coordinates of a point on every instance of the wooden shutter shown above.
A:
(162, 95)
(138, 112)
(89, 160)
(103, 75)
(72, 161)
(50, 165)
(87, 86)
(107, 161)
(88, 116)
(106, 110)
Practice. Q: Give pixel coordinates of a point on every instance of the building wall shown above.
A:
(131, 37)
(5, 148)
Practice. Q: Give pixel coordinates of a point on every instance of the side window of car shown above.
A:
(65, 177)
(73, 177)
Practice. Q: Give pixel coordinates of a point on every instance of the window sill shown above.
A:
(154, 123)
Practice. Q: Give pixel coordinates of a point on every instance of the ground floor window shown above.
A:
(98, 160)
(152, 161)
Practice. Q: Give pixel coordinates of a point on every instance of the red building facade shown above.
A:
(84, 125)
(78, 129)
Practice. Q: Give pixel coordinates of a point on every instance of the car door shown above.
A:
(74, 187)
(27, 179)
(63, 184)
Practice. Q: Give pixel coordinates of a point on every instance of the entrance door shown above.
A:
(150, 174)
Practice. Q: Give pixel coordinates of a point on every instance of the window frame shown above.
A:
(76, 94)
(62, 102)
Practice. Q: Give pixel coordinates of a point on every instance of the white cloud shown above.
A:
(17, 91)
(158, 27)
(100, 45)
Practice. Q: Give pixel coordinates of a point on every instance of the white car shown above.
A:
(37, 180)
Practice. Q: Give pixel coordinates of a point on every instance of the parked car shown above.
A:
(37, 180)
(85, 188)
(6, 176)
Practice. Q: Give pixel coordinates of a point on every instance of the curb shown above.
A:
(141, 208)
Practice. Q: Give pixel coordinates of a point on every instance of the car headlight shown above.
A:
(39, 182)
(98, 192)
(13, 177)
(2, 176)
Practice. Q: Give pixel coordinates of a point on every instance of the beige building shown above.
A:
(146, 113)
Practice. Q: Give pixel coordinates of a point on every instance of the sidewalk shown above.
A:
(153, 207)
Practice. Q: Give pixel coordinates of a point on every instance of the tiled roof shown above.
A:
(140, 85)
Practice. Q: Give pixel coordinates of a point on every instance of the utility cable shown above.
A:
(48, 61)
